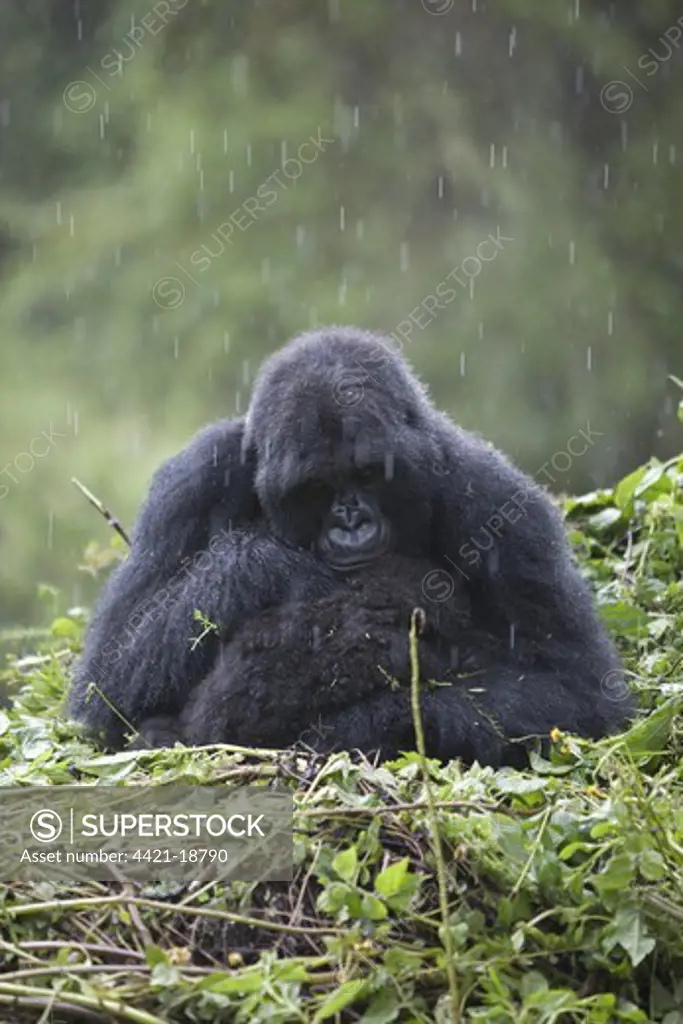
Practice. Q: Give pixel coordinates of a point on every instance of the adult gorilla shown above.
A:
(341, 489)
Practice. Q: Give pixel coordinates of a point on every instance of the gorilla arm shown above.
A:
(483, 717)
(500, 531)
(139, 649)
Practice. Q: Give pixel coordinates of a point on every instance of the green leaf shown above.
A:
(345, 864)
(650, 735)
(624, 617)
(342, 997)
(533, 982)
(165, 975)
(392, 879)
(383, 1009)
(652, 865)
(4, 722)
(155, 955)
(629, 931)
(626, 488)
(242, 983)
(372, 908)
(518, 783)
(603, 520)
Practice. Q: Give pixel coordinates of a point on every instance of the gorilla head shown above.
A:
(340, 436)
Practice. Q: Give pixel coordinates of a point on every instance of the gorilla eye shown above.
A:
(410, 418)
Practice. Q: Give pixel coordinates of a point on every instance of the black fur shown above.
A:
(242, 503)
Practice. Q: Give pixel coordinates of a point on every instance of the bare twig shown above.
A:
(102, 509)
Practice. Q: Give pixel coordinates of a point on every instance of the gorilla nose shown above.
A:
(349, 513)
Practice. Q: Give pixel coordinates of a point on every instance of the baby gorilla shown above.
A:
(343, 648)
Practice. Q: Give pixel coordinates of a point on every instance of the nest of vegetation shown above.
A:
(421, 892)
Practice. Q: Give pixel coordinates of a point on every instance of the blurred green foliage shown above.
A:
(132, 131)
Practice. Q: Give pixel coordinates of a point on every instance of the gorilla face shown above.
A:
(354, 531)
(354, 521)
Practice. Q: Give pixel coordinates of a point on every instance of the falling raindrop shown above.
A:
(572, 253)
(589, 358)
(342, 219)
(50, 529)
(458, 44)
(240, 74)
(493, 561)
(512, 41)
(462, 364)
(579, 81)
(610, 322)
(404, 257)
